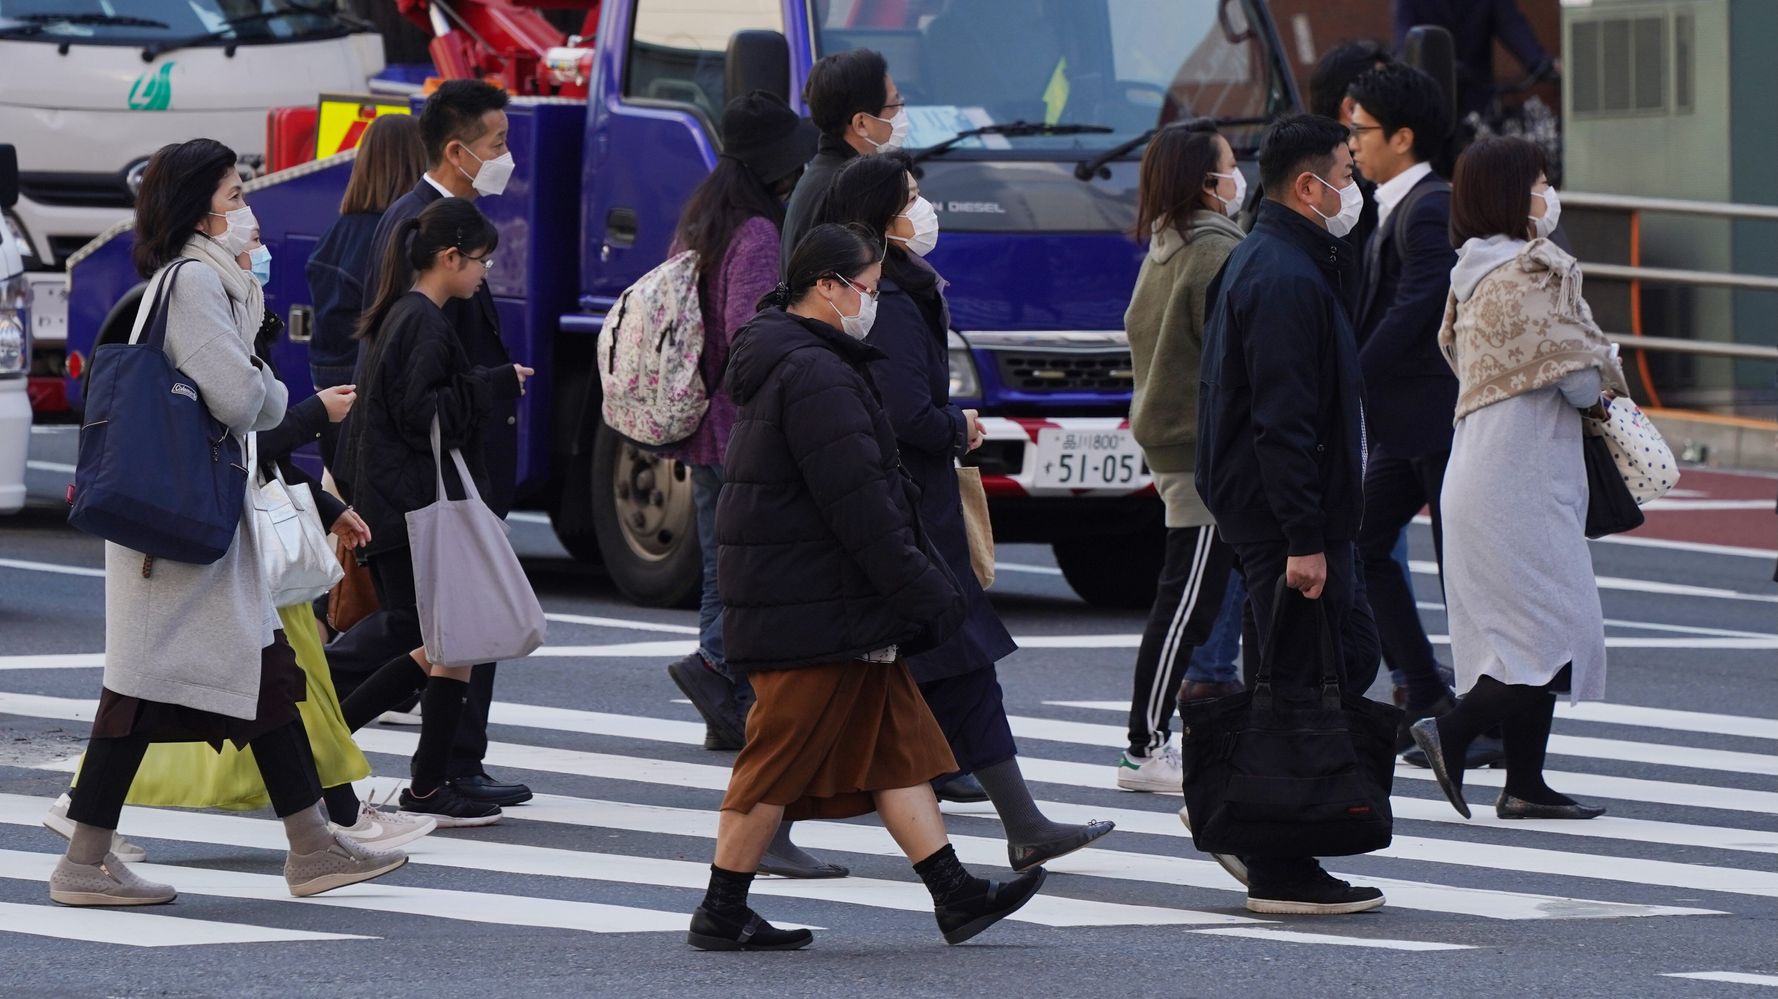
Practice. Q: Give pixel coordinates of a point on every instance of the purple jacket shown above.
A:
(729, 294)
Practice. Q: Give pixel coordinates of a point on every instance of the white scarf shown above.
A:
(244, 293)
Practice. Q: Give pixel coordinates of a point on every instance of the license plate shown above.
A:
(49, 307)
(1087, 459)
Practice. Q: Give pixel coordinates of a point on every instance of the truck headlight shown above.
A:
(965, 383)
(15, 300)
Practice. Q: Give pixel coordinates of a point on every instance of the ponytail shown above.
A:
(395, 275)
(829, 250)
(414, 246)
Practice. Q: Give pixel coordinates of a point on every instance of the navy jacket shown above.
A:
(1410, 391)
(1474, 25)
(820, 553)
(338, 271)
(1279, 432)
(477, 326)
(914, 379)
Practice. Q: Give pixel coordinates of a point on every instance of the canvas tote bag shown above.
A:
(976, 526)
(475, 604)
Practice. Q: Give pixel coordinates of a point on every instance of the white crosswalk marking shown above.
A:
(1435, 865)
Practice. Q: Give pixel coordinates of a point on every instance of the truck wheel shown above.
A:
(1114, 571)
(645, 523)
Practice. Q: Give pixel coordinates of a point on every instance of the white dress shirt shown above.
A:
(1390, 192)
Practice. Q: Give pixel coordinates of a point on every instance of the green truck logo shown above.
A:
(153, 90)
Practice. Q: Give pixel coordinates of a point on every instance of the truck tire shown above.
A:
(1116, 571)
(645, 523)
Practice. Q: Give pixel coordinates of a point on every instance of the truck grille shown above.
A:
(1066, 372)
(76, 190)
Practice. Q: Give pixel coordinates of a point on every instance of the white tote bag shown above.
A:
(298, 563)
(476, 606)
(1640, 452)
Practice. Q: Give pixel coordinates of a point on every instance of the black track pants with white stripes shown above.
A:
(1193, 581)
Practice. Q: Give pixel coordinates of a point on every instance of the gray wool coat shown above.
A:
(192, 634)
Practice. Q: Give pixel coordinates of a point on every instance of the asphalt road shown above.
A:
(586, 891)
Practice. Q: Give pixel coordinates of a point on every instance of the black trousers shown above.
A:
(286, 764)
(970, 710)
(1394, 491)
(1194, 579)
(1295, 660)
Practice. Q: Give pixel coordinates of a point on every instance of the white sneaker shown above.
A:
(381, 829)
(58, 822)
(1158, 773)
(407, 719)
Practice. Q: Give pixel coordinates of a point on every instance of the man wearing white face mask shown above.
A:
(853, 101)
(1281, 446)
(464, 128)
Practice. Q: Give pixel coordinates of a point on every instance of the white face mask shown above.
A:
(241, 226)
(924, 219)
(1552, 214)
(1351, 204)
(898, 131)
(857, 327)
(492, 177)
(1232, 207)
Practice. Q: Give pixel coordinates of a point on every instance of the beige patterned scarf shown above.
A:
(1524, 328)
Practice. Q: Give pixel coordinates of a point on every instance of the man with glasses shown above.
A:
(853, 101)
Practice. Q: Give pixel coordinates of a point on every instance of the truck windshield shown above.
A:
(151, 22)
(1128, 65)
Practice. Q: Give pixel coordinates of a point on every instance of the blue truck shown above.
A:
(1036, 244)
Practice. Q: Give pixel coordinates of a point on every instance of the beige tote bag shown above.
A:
(976, 524)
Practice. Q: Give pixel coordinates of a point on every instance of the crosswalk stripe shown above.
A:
(442, 903)
(1298, 936)
(141, 929)
(1726, 977)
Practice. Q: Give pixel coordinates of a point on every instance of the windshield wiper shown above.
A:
(109, 20)
(1010, 128)
(1095, 167)
(230, 28)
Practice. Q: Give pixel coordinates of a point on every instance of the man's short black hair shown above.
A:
(1296, 143)
(844, 84)
(1403, 97)
(1338, 67)
(454, 111)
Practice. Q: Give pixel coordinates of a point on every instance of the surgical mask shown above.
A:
(260, 260)
(924, 219)
(858, 327)
(241, 226)
(1552, 214)
(492, 177)
(1351, 204)
(1231, 208)
(898, 132)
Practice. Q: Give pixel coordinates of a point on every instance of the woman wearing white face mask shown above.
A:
(1189, 190)
(958, 679)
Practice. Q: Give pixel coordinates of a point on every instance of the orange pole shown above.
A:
(1648, 382)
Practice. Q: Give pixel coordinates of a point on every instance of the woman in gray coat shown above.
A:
(194, 653)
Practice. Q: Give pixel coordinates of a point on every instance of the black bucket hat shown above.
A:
(766, 136)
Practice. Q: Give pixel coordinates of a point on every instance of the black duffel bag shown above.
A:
(1610, 507)
(1290, 770)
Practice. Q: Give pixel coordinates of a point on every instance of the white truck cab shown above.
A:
(15, 349)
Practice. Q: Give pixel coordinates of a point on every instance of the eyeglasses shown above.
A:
(870, 293)
(487, 262)
(897, 106)
(1358, 130)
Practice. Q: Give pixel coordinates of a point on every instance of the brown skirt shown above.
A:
(820, 739)
(281, 686)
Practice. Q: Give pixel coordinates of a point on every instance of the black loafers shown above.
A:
(963, 789)
(960, 922)
(1509, 807)
(1024, 856)
(488, 791)
(710, 932)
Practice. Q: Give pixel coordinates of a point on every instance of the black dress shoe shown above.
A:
(963, 789)
(714, 696)
(1425, 732)
(1024, 856)
(964, 920)
(710, 932)
(487, 790)
(1483, 753)
(1509, 807)
(1208, 690)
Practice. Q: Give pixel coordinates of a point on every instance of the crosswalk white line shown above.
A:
(74, 661)
(1640, 586)
(1728, 977)
(1298, 936)
(442, 903)
(141, 929)
(63, 570)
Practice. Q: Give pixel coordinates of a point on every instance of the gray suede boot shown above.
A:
(108, 882)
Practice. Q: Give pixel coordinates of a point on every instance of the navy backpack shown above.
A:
(157, 473)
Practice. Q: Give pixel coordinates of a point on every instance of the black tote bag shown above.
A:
(1283, 771)
(1611, 509)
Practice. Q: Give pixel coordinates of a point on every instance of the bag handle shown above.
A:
(463, 476)
(1330, 677)
(154, 306)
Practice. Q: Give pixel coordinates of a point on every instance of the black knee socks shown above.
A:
(392, 683)
(727, 895)
(441, 708)
(947, 880)
(1484, 707)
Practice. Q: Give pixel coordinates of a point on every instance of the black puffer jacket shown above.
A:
(820, 554)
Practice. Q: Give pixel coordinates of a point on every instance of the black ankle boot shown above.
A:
(963, 918)
(748, 932)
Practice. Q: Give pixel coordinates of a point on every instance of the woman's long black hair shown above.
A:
(724, 202)
(176, 191)
(453, 223)
(827, 250)
(870, 191)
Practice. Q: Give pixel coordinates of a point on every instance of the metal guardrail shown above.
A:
(1670, 275)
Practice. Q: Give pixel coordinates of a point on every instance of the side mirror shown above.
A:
(1429, 49)
(9, 176)
(757, 60)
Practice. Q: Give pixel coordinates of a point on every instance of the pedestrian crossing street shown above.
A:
(1710, 851)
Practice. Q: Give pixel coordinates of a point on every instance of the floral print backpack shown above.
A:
(649, 348)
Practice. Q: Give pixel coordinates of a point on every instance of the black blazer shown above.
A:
(477, 325)
(1410, 391)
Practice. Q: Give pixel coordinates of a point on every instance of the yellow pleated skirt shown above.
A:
(193, 775)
